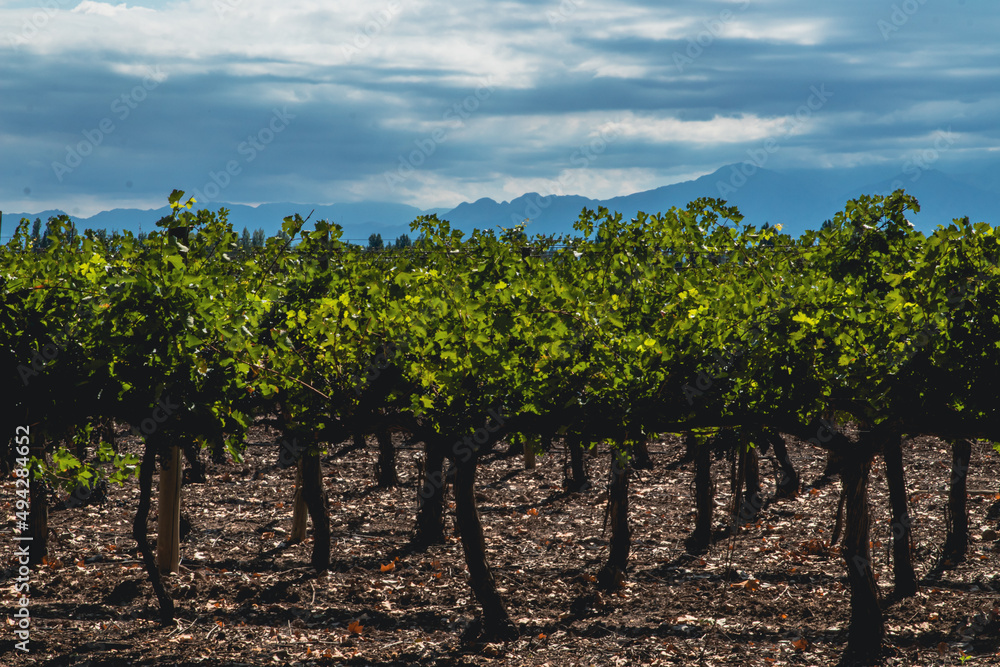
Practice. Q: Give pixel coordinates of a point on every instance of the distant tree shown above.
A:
(115, 242)
(49, 234)
(258, 239)
(283, 236)
(36, 232)
(52, 231)
(403, 241)
(141, 237)
(245, 241)
(375, 242)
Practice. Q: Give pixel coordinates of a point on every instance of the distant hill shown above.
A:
(798, 200)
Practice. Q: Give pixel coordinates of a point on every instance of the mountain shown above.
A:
(797, 200)
(763, 197)
(545, 215)
(942, 198)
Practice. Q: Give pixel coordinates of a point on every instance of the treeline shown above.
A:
(248, 242)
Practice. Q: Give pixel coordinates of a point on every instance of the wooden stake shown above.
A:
(300, 513)
(529, 453)
(168, 538)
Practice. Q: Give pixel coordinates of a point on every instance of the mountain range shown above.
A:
(798, 200)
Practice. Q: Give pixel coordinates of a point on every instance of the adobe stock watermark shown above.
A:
(562, 14)
(713, 29)
(22, 583)
(43, 357)
(581, 158)
(739, 174)
(36, 23)
(899, 17)
(223, 7)
(46, 355)
(464, 449)
(455, 115)
(121, 107)
(164, 410)
(254, 145)
(365, 34)
(289, 453)
(705, 380)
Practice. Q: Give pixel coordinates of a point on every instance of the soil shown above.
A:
(774, 594)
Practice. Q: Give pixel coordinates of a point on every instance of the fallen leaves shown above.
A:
(747, 585)
(543, 547)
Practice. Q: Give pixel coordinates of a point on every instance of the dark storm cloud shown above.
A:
(303, 103)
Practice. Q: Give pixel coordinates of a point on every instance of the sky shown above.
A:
(107, 105)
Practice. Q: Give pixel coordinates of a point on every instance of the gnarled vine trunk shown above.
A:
(704, 500)
(747, 497)
(612, 575)
(141, 533)
(641, 460)
(788, 482)
(315, 497)
(496, 622)
(430, 498)
(956, 543)
(578, 479)
(385, 469)
(904, 578)
(866, 629)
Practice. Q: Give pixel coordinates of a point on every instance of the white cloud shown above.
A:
(718, 130)
(106, 9)
(805, 32)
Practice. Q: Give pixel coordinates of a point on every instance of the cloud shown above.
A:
(686, 88)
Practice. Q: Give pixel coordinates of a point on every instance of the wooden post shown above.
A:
(299, 511)
(168, 537)
(529, 453)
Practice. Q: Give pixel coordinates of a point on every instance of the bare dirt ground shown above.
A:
(773, 595)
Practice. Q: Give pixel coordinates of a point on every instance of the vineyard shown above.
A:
(677, 439)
